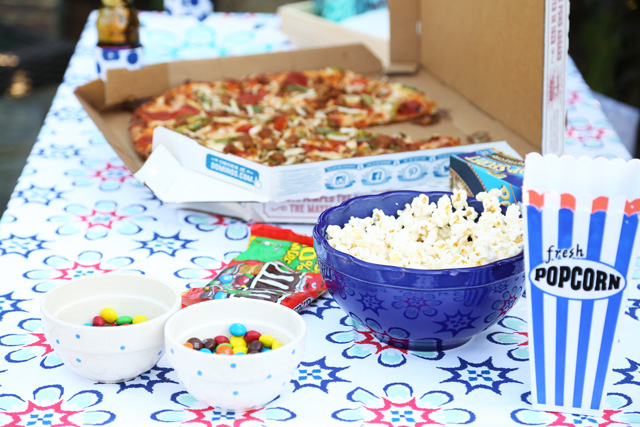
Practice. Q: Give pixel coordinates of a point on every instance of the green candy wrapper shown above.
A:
(279, 265)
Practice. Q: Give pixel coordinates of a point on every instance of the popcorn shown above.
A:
(433, 235)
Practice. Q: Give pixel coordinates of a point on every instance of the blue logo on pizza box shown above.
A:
(377, 172)
(413, 168)
(340, 176)
(441, 165)
(233, 170)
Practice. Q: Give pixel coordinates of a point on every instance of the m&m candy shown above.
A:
(241, 341)
(109, 317)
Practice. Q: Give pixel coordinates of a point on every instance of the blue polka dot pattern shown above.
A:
(78, 336)
(110, 54)
(78, 360)
(199, 373)
(121, 347)
(235, 393)
(269, 376)
(233, 366)
(132, 58)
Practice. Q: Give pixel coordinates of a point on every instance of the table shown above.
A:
(77, 211)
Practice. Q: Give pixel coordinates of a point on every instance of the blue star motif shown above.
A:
(43, 195)
(9, 304)
(58, 152)
(222, 414)
(317, 375)
(169, 245)
(456, 323)
(631, 374)
(633, 308)
(371, 302)
(319, 306)
(479, 375)
(148, 380)
(20, 245)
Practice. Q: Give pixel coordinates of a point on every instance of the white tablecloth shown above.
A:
(77, 211)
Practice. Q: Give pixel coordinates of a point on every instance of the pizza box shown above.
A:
(507, 58)
(180, 172)
(307, 29)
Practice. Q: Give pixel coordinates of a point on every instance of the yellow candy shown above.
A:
(139, 319)
(266, 340)
(275, 344)
(109, 315)
(237, 341)
(240, 349)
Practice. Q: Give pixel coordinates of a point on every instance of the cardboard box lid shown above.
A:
(306, 29)
(491, 51)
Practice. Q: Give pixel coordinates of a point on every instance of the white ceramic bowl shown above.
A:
(108, 354)
(235, 382)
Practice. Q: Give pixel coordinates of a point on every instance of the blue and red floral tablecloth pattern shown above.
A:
(77, 211)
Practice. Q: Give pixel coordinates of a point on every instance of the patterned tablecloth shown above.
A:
(77, 211)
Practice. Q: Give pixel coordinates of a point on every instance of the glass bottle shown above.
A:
(118, 24)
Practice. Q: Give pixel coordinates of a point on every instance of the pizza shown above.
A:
(288, 118)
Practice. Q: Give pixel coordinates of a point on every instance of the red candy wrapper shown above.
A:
(279, 265)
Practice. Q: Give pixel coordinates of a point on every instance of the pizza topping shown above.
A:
(296, 78)
(409, 108)
(288, 118)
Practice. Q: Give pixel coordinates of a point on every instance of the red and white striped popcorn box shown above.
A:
(581, 238)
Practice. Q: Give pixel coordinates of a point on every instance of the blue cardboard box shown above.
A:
(486, 169)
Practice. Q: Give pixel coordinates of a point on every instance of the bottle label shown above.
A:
(108, 58)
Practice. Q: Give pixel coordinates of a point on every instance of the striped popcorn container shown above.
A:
(581, 237)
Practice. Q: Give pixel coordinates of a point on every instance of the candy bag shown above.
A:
(279, 265)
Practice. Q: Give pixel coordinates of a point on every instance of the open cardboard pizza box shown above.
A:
(496, 67)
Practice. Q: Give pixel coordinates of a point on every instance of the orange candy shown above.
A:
(189, 345)
(224, 349)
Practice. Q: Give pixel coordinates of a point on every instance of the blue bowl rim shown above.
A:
(320, 239)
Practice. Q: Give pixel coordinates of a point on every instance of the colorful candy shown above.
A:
(109, 317)
(241, 341)
(138, 319)
(224, 348)
(251, 336)
(195, 343)
(237, 329)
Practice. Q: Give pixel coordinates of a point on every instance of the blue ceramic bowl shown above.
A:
(415, 309)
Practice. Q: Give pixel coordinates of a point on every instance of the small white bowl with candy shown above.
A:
(267, 341)
(118, 348)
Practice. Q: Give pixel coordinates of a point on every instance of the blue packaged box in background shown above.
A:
(338, 10)
(486, 169)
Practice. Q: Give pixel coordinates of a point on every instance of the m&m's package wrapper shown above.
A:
(279, 266)
(581, 243)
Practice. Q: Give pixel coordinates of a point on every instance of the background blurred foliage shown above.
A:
(604, 42)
